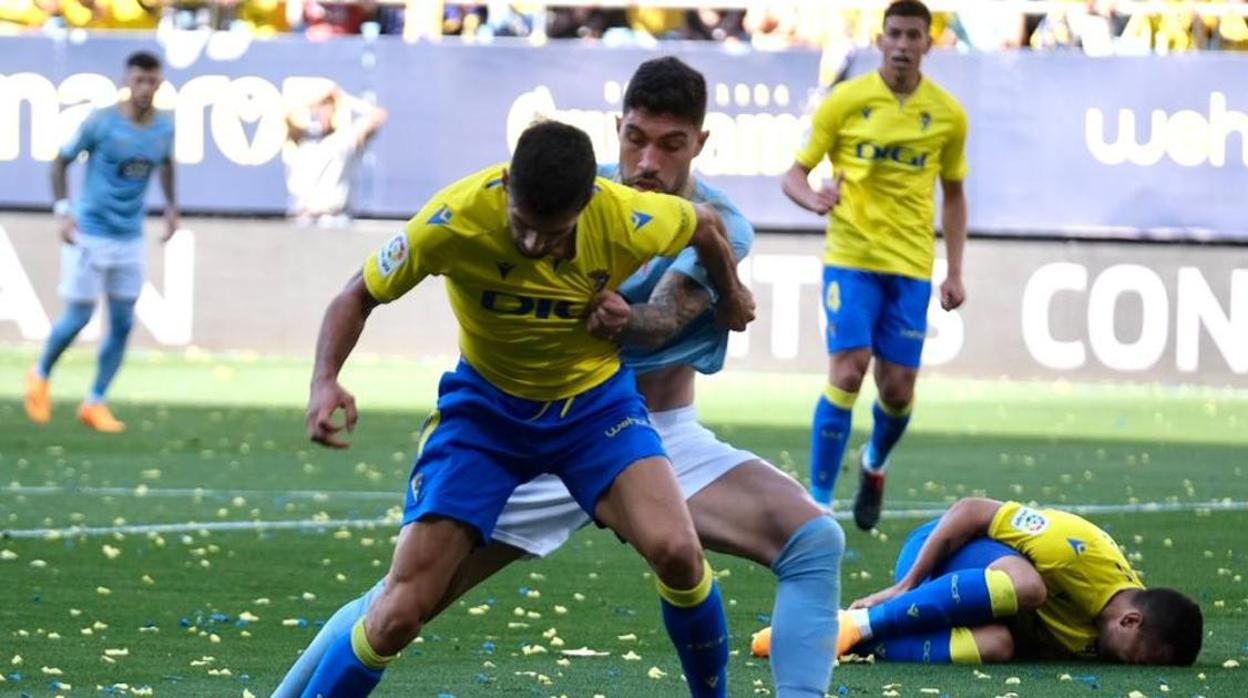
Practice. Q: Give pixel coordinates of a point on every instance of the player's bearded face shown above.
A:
(143, 85)
(543, 236)
(904, 42)
(657, 150)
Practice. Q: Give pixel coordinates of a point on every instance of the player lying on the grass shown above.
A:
(531, 253)
(992, 581)
(740, 504)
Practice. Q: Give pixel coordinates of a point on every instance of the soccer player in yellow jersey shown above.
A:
(992, 580)
(532, 254)
(889, 135)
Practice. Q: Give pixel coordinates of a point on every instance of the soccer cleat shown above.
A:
(38, 398)
(760, 644)
(847, 634)
(100, 418)
(869, 498)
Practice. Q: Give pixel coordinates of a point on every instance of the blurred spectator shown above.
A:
(708, 24)
(23, 15)
(583, 22)
(328, 135)
(264, 18)
(657, 22)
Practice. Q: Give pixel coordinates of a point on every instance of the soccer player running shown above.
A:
(990, 581)
(532, 254)
(889, 135)
(740, 504)
(103, 235)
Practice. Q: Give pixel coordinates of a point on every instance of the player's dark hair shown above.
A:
(909, 8)
(552, 170)
(668, 85)
(1171, 620)
(143, 60)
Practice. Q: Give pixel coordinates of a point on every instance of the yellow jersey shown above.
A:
(1081, 565)
(522, 320)
(890, 150)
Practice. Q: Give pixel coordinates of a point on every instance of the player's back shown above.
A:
(522, 320)
(891, 150)
(1082, 567)
(122, 157)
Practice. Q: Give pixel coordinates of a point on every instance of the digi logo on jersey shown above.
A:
(135, 168)
(507, 303)
(896, 153)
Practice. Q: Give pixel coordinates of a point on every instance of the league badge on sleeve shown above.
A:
(1029, 521)
(393, 255)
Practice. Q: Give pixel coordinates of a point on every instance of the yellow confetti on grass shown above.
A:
(1013, 681)
(7, 555)
(117, 652)
(51, 671)
(631, 637)
(103, 591)
(656, 673)
(1230, 664)
(248, 616)
(632, 656)
(111, 552)
(16, 660)
(1065, 677)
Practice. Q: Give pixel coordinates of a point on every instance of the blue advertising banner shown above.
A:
(1060, 144)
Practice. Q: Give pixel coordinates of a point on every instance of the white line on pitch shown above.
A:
(312, 525)
(140, 491)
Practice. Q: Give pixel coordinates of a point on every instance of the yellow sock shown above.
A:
(962, 647)
(365, 651)
(1001, 593)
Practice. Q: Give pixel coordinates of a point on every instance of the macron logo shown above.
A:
(441, 217)
(640, 219)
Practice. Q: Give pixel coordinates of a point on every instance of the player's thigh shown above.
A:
(124, 282)
(645, 507)
(901, 326)
(751, 511)
(482, 563)
(81, 280)
(852, 302)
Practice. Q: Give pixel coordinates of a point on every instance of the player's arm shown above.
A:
(60, 196)
(340, 330)
(953, 216)
(168, 180)
(675, 302)
(735, 308)
(795, 182)
(967, 519)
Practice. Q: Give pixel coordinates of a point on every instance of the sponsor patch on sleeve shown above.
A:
(393, 255)
(1029, 521)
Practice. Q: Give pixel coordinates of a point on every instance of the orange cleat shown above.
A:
(760, 644)
(38, 398)
(98, 417)
(848, 634)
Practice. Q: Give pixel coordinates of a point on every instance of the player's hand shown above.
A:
(173, 223)
(608, 315)
(880, 596)
(736, 310)
(69, 230)
(952, 293)
(829, 196)
(326, 399)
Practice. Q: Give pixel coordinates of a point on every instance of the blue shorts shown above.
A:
(886, 312)
(977, 554)
(481, 443)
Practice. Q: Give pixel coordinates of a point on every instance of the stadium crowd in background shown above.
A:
(1098, 27)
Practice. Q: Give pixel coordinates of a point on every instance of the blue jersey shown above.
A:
(121, 156)
(702, 345)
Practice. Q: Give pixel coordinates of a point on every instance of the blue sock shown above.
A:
(962, 598)
(339, 624)
(76, 316)
(120, 322)
(944, 646)
(803, 622)
(343, 672)
(829, 437)
(889, 425)
(698, 628)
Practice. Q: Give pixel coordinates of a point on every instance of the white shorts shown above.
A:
(96, 266)
(541, 515)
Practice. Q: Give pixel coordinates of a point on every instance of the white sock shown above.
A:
(861, 619)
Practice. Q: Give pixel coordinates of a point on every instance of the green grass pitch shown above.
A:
(194, 612)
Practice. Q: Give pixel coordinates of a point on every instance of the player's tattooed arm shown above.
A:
(676, 300)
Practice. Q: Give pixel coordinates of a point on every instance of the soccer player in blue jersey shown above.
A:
(532, 253)
(103, 233)
(889, 134)
(739, 503)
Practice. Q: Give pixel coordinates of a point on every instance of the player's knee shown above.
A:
(995, 644)
(897, 396)
(1029, 588)
(396, 618)
(677, 560)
